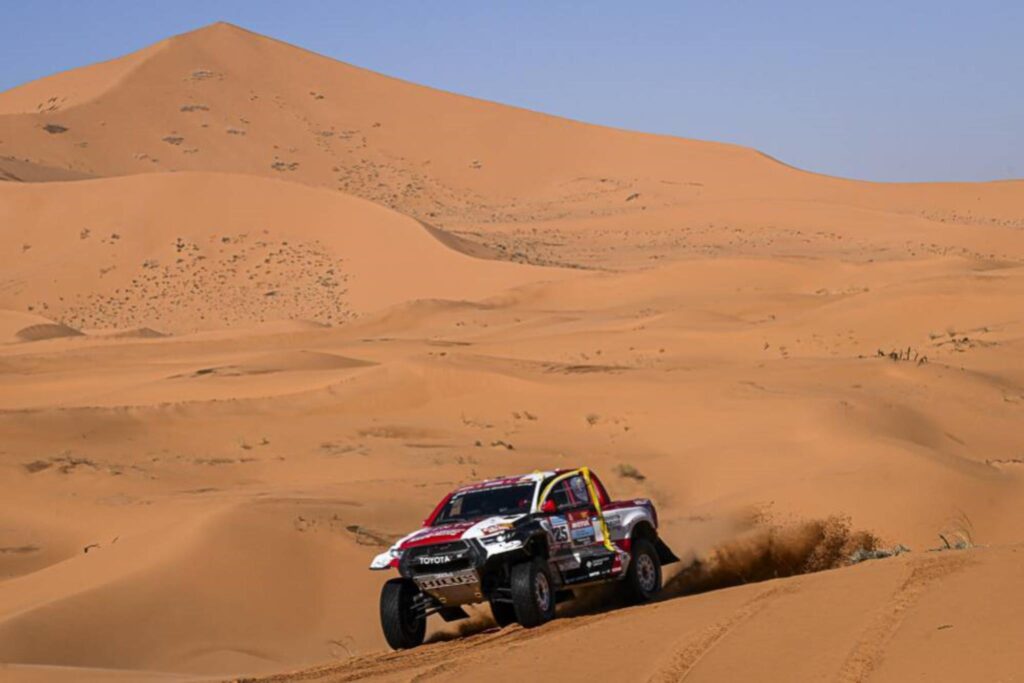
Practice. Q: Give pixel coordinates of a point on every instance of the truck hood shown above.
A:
(456, 531)
(445, 533)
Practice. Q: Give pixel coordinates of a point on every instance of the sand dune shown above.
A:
(222, 98)
(448, 392)
(223, 389)
(153, 579)
(846, 621)
(223, 250)
(16, 326)
(18, 170)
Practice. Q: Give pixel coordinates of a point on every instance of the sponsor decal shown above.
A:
(447, 580)
(598, 566)
(454, 530)
(568, 563)
(580, 523)
(586, 533)
(589, 569)
(557, 519)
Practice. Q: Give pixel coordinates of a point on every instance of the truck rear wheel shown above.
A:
(403, 627)
(533, 596)
(643, 578)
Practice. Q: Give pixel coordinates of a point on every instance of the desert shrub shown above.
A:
(627, 471)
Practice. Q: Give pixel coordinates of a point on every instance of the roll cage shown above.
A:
(542, 490)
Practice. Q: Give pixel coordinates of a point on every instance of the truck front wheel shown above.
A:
(533, 596)
(403, 627)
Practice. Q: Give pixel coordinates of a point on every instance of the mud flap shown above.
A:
(452, 613)
(665, 554)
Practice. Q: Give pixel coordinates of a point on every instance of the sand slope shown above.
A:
(276, 378)
(934, 618)
(186, 251)
(228, 464)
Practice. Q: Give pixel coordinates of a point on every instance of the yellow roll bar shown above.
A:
(594, 498)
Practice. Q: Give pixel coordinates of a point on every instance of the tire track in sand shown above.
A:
(683, 660)
(428, 661)
(447, 658)
(869, 650)
(507, 639)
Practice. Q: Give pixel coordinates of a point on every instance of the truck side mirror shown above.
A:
(548, 507)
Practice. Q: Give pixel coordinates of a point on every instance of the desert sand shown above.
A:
(260, 310)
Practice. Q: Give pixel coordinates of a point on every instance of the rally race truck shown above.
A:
(521, 544)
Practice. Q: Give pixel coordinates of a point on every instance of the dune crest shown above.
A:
(16, 326)
(225, 99)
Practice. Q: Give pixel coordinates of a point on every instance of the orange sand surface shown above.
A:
(260, 310)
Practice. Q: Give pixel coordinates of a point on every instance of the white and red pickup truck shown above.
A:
(520, 544)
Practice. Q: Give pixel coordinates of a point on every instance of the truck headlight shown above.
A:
(502, 538)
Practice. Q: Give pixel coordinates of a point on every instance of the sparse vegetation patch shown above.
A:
(627, 471)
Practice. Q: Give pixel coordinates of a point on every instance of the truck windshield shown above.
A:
(487, 502)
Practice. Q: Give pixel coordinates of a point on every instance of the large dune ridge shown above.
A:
(129, 252)
(222, 98)
(260, 310)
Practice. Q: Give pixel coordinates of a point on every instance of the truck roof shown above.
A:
(531, 478)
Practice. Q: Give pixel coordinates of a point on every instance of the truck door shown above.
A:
(575, 517)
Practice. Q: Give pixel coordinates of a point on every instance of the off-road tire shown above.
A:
(402, 629)
(533, 594)
(643, 578)
(504, 613)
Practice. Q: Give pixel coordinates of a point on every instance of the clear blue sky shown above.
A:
(894, 90)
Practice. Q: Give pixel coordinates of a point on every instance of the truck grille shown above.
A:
(438, 558)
